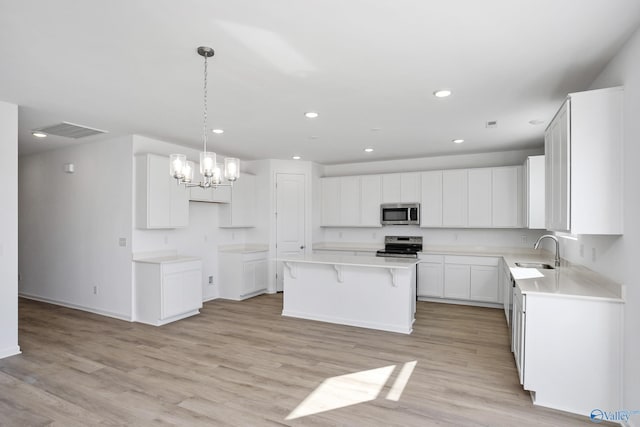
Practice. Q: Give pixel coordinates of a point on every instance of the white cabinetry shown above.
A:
(507, 197)
(240, 213)
(242, 275)
(557, 360)
(431, 276)
(431, 200)
(351, 201)
(471, 278)
(160, 201)
(167, 291)
(583, 147)
(534, 192)
(479, 205)
(401, 187)
(454, 198)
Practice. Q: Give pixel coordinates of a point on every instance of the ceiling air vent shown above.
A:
(70, 130)
(491, 124)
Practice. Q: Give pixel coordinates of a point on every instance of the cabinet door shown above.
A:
(454, 198)
(370, 199)
(430, 280)
(558, 171)
(159, 187)
(330, 188)
(484, 284)
(507, 197)
(410, 187)
(349, 200)
(431, 200)
(391, 188)
(479, 185)
(179, 206)
(456, 281)
(261, 275)
(534, 192)
(248, 283)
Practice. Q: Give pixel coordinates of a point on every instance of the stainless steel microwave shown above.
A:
(400, 214)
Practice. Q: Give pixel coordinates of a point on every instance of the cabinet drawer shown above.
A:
(254, 256)
(430, 258)
(471, 260)
(178, 267)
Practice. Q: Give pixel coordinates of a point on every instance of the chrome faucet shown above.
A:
(555, 239)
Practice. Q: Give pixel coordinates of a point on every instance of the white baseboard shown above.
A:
(118, 316)
(462, 302)
(10, 351)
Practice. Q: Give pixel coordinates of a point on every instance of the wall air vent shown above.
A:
(70, 130)
(491, 124)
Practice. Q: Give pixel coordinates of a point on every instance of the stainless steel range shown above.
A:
(401, 246)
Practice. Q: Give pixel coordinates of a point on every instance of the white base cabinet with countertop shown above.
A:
(243, 273)
(167, 289)
(455, 279)
(568, 351)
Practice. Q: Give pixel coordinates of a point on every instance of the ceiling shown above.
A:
(368, 67)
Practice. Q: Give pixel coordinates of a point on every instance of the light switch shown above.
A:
(122, 241)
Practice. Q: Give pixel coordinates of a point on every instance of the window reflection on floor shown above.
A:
(351, 389)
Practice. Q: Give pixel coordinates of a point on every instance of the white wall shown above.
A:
(9, 230)
(70, 226)
(617, 257)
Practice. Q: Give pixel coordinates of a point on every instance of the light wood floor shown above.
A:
(242, 364)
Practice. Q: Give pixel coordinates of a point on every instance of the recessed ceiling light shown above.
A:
(314, 137)
(536, 122)
(368, 150)
(375, 129)
(442, 93)
(296, 157)
(458, 141)
(218, 131)
(311, 114)
(39, 134)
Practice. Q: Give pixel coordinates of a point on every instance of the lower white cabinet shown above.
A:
(167, 291)
(506, 284)
(568, 351)
(242, 275)
(430, 276)
(472, 279)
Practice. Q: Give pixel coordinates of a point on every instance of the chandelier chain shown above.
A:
(204, 125)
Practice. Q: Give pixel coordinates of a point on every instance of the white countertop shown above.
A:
(347, 246)
(167, 259)
(243, 249)
(568, 280)
(352, 260)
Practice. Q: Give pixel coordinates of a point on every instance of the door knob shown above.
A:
(302, 247)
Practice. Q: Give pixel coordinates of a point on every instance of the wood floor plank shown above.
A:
(242, 363)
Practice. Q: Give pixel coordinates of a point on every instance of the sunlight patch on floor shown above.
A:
(351, 389)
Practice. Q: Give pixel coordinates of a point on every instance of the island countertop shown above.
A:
(352, 260)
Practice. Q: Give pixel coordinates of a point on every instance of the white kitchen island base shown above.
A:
(369, 292)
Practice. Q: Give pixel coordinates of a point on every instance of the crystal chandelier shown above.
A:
(212, 173)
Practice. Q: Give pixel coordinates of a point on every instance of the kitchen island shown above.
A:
(365, 291)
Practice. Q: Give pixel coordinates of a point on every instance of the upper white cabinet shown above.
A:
(507, 200)
(534, 192)
(370, 199)
(479, 207)
(160, 201)
(351, 201)
(454, 198)
(240, 213)
(583, 147)
(431, 200)
(401, 187)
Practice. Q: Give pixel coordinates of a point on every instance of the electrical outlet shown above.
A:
(374, 235)
(455, 236)
(524, 240)
(581, 250)
(122, 242)
(95, 289)
(340, 235)
(166, 239)
(593, 254)
(206, 238)
(211, 280)
(233, 235)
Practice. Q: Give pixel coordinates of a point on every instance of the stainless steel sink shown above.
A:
(535, 265)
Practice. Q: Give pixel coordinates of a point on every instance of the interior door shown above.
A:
(290, 226)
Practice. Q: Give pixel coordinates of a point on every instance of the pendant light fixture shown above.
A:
(212, 173)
